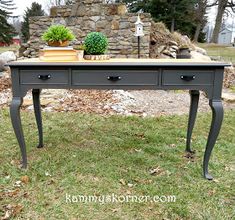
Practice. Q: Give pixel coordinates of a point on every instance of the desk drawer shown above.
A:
(48, 77)
(187, 77)
(115, 77)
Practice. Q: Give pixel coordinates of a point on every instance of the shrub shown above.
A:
(95, 43)
(58, 33)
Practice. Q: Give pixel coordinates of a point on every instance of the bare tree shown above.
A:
(60, 2)
(200, 12)
(223, 8)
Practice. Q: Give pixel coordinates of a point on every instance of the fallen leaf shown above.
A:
(17, 209)
(216, 180)
(47, 174)
(18, 183)
(211, 192)
(24, 179)
(13, 193)
(155, 171)
(130, 185)
(7, 215)
(122, 181)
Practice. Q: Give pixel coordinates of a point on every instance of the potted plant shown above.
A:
(58, 36)
(96, 45)
(80, 51)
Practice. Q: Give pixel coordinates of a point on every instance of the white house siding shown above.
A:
(225, 37)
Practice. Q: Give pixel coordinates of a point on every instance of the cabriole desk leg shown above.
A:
(16, 123)
(194, 94)
(38, 115)
(217, 118)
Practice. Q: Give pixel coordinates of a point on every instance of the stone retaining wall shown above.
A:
(87, 16)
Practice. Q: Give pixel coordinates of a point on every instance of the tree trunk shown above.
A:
(172, 25)
(197, 32)
(219, 17)
(173, 18)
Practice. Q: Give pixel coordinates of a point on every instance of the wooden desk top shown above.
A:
(121, 62)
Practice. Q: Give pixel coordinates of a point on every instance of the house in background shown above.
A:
(226, 36)
(15, 41)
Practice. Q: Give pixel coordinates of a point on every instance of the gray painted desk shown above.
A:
(120, 74)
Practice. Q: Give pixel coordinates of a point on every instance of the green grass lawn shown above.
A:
(225, 52)
(12, 48)
(94, 155)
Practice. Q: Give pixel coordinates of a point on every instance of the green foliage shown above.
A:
(178, 15)
(58, 33)
(96, 43)
(7, 31)
(35, 10)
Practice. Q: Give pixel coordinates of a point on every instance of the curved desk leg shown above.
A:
(217, 118)
(38, 115)
(194, 94)
(16, 122)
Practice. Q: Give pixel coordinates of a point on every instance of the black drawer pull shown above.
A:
(44, 77)
(114, 78)
(187, 78)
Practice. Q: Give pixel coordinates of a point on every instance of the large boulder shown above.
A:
(7, 56)
(198, 56)
(201, 50)
(2, 67)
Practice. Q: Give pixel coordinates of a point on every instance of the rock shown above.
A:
(95, 10)
(102, 24)
(25, 45)
(228, 97)
(161, 48)
(124, 25)
(201, 50)
(95, 18)
(117, 108)
(168, 53)
(81, 10)
(21, 51)
(53, 11)
(199, 56)
(2, 67)
(112, 9)
(163, 56)
(173, 54)
(115, 25)
(29, 102)
(172, 49)
(8, 56)
(175, 47)
(121, 10)
(229, 77)
(27, 52)
(186, 39)
(173, 43)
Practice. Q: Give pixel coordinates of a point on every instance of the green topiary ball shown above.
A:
(95, 43)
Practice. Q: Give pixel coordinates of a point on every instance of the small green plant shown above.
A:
(95, 43)
(58, 33)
